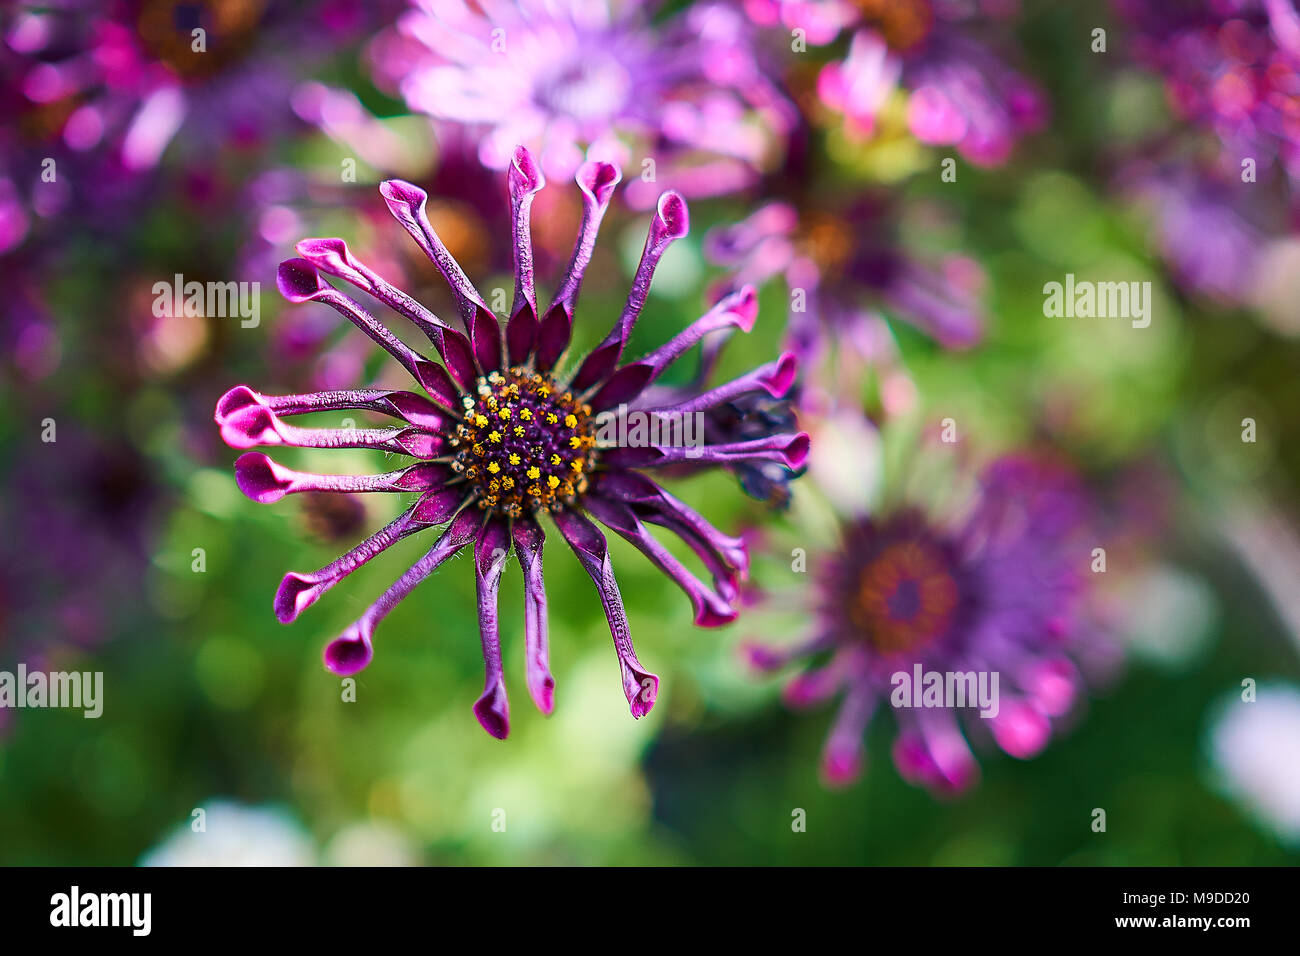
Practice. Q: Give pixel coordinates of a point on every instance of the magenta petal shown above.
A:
(813, 686)
(333, 257)
(352, 651)
(775, 378)
(670, 222)
(266, 481)
(485, 335)
(711, 610)
(597, 181)
(788, 450)
(953, 766)
(297, 591)
(250, 426)
(406, 202)
(349, 653)
(623, 386)
(525, 180)
(1021, 729)
(490, 552)
(493, 711)
(639, 685)
(261, 479)
(298, 280)
(1053, 685)
(553, 337)
(738, 310)
(842, 755)
(528, 539)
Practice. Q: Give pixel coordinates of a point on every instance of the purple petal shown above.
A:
(639, 685)
(528, 538)
(406, 202)
(738, 309)
(553, 337)
(1020, 728)
(817, 684)
(775, 378)
(490, 552)
(726, 556)
(241, 402)
(842, 754)
(297, 592)
(711, 610)
(266, 481)
(352, 650)
(670, 223)
(765, 658)
(788, 450)
(299, 281)
(525, 181)
(597, 182)
(333, 257)
(935, 754)
(258, 425)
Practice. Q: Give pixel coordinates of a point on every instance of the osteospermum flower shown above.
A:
(844, 273)
(592, 79)
(1211, 237)
(1231, 67)
(960, 92)
(104, 89)
(998, 587)
(501, 437)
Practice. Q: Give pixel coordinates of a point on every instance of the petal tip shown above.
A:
(298, 280)
(783, 375)
(672, 218)
(599, 180)
(261, 479)
(841, 767)
(647, 693)
(399, 193)
(525, 175)
(493, 711)
(295, 594)
(233, 402)
(348, 654)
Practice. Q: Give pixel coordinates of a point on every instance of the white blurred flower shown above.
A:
(1256, 751)
(371, 844)
(233, 834)
(1169, 613)
(847, 466)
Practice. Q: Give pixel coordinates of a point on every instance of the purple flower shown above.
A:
(839, 266)
(997, 589)
(1232, 66)
(104, 89)
(499, 436)
(582, 80)
(1208, 233)
(960, 92)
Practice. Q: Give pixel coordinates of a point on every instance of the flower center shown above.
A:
(903, 23)
(827, 240)
(167, 29)
(524, 444)
(904, 598)
(594, 88)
